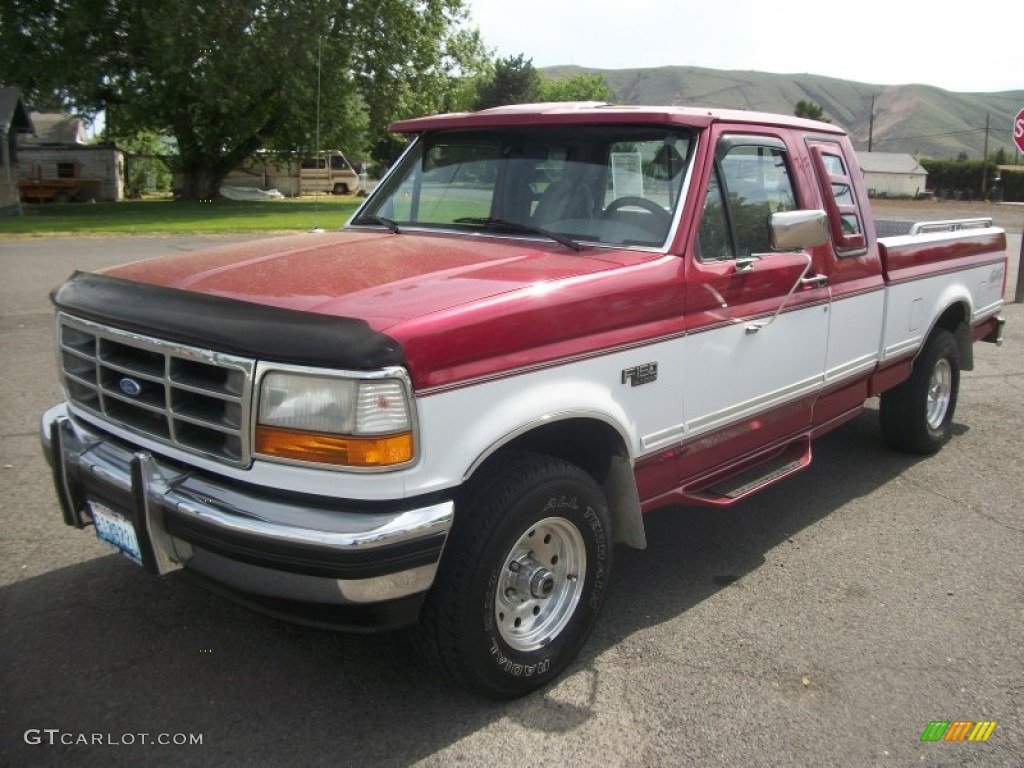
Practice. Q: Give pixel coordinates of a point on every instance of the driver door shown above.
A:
(757, 319)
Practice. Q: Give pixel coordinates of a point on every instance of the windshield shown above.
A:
(616, 185)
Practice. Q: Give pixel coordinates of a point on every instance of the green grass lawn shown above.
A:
(165, 216)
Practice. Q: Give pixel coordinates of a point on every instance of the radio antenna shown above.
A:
(317, 229)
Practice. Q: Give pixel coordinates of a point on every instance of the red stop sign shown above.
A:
(1018, 130)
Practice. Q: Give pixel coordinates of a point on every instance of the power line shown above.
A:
(932, 135)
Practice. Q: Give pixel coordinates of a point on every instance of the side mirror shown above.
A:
(795, 230)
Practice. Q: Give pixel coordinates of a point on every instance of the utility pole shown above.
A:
(984, 160)
(871, 123)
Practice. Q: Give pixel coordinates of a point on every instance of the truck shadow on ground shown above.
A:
(102, 648)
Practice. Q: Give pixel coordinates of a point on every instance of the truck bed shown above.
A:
(912, 249)
(935, 268)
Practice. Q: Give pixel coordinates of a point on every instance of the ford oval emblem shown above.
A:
(130, 387)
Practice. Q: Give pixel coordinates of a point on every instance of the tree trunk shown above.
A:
(202, 182)
(203, 169)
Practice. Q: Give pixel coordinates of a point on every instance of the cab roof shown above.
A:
(601, 113)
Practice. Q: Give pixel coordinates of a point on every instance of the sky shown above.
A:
(882, 42)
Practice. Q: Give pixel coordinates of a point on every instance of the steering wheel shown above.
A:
(639, 202)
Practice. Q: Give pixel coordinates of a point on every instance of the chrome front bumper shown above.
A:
(246, 539)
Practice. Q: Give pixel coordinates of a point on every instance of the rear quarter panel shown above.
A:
(927, 274)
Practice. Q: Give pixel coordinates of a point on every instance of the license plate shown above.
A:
(116, 530)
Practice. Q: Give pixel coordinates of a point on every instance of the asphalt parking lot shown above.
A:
(826, 621)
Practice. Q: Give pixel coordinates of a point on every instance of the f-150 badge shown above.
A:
(640, 374)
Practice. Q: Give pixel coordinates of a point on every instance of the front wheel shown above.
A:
(917, 416)
(523, 577)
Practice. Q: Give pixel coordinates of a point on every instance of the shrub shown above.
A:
(959, 179)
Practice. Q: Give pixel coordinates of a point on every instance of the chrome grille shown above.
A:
(196, 399)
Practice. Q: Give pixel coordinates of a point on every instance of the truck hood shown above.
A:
(382, 278)
(450, 308)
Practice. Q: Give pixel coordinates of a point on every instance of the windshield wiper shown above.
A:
(515, 226)
(370, 218)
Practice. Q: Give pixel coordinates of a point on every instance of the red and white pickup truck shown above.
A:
(547, 321)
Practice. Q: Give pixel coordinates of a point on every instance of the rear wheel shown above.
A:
(523, 577)
(917, 416)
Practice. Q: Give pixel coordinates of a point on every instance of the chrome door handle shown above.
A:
(818, 281)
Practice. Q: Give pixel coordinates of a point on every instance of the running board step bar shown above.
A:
(749, 478)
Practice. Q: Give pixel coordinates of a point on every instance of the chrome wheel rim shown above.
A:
(540, 584)
(940, 391)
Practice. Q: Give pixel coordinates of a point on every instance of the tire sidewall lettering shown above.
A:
(558, 503)
(514, 668)
(600, 556)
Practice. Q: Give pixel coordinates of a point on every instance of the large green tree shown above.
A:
(582, 87)
(227, 77)
(811, 110)
(515, 81)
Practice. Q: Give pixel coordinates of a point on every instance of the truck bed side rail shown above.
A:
(951, 225)
(896, 227)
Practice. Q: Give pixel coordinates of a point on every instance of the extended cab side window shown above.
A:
(750, 182)
(845, 217)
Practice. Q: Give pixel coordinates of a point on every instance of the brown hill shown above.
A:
(918, 119)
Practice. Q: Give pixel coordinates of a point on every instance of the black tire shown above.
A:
(340, 189)
(505, 616)
(917, 416)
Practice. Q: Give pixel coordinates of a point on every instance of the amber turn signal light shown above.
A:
(385, 451)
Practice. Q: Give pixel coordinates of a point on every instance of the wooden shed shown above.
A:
(57, 163)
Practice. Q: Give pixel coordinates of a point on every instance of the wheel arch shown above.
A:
(595, 445)
(956, 318)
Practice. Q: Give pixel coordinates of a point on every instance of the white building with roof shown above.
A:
(891, 174)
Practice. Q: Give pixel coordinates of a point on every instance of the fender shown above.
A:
(956, 300)
(544, 421)
(491, 416)
(488, 415)
(619, 484)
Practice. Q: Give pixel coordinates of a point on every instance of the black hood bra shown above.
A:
(227, 325)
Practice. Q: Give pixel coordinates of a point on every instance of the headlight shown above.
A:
(333, 420)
